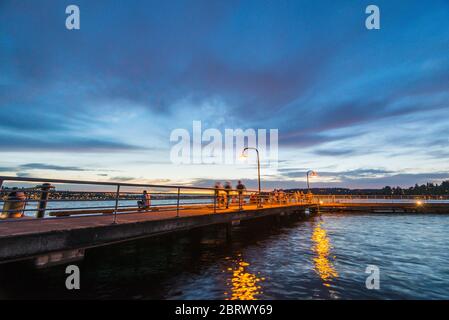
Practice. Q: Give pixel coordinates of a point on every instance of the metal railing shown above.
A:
(355, 199)
(57, 198)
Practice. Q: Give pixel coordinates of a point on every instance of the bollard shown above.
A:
(42, 205)
(14, 205)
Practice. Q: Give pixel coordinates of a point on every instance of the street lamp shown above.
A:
(259, 204)
(313, 174)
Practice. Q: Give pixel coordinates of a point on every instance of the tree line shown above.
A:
(424, 189)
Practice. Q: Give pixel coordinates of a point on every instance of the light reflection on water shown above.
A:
(243, 284)
(322, 261)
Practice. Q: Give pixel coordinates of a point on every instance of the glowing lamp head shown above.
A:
(312, 173)
(419, 203)
(244, 155)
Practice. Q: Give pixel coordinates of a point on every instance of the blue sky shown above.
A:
(363, 108)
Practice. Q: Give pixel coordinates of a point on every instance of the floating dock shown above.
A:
(386, 207)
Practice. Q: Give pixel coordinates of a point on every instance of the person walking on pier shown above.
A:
(145, 203)
(240, 188)
(218, 194)
(228, 188)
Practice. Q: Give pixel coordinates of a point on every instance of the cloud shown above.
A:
(365, 172)
(25, 118)
(335, 152)
(23, 170)
(23, 174)
(43, 166)
(298, 139)
(122, 179)
(359, 179)
(317, 76)
(352, 174)
(61, 144)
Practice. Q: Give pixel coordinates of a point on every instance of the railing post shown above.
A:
(117, 195)
(1, 183)
(42, 205)
(215, 201)
(177, 203)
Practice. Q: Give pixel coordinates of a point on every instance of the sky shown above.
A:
(364, 108)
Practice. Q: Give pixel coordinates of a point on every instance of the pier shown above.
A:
(63, 218)
(30, 238)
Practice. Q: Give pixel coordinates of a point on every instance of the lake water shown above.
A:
(324, 257)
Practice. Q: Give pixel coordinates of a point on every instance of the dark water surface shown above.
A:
(324, 257)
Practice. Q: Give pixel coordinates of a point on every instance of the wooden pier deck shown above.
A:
(27, 238)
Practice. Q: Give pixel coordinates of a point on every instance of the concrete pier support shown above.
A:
(228, 228)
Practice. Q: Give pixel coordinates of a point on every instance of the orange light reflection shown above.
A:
(243, 284)
(323, 265)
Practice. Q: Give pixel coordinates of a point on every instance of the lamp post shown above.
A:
(313, 174)
(259, 204)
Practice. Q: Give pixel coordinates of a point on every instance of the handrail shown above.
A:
(103, 183)
(45, 198)
(380, 197)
